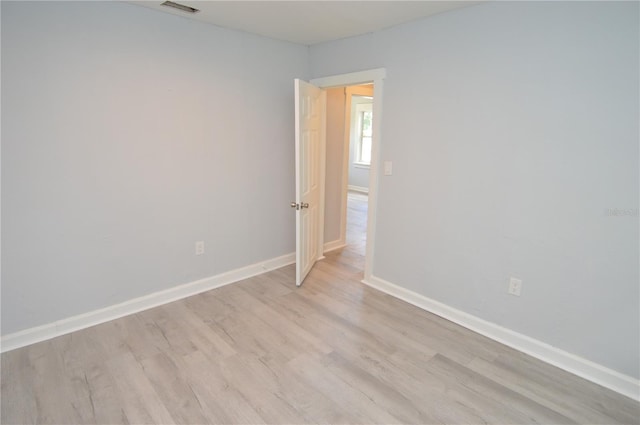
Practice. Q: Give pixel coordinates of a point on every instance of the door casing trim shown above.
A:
(375, 76)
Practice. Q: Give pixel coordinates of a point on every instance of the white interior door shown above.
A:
(310, 106)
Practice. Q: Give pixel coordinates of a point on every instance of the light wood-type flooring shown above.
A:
(263, 351)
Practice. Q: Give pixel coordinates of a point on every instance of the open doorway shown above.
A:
(349, 141)
(336, 175)
(359, 138)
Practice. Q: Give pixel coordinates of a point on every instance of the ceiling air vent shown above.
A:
(182, 7)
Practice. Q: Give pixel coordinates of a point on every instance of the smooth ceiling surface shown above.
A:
(309, 22)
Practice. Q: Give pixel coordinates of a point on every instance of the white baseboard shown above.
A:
(358, 188)
(61, 327)
(333, 245)
(584, 368)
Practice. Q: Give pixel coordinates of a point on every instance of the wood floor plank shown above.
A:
(560, 391)
(285, 384)
(312, 369)
(377, 390)
(270, 407)
(140, 401)
(18, 400)
(169, 382)
(504, 402)
(53, 406)
(295, 332)
(93, 393)
(220, 395)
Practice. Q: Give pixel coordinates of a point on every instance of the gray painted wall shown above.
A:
(127, 135)
(513, 128)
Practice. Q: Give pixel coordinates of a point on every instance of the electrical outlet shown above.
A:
(199, 247)
(515, 286)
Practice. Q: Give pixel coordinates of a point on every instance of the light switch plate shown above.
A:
(388, 168)
(515, 286)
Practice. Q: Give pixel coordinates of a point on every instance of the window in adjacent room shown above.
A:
(362, 121)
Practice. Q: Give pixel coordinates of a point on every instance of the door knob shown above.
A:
(295, 205)
(304, 205)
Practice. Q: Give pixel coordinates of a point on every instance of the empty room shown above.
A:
(181, 242)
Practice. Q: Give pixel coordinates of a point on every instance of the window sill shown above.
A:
(361, 165)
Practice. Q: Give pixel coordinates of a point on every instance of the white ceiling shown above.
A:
(309, 22)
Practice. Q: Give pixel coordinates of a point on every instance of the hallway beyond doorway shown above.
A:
(357, 222)
(353, 253)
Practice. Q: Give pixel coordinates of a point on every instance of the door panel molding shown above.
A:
(310, 122)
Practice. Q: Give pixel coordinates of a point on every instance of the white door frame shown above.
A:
(377, 77)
